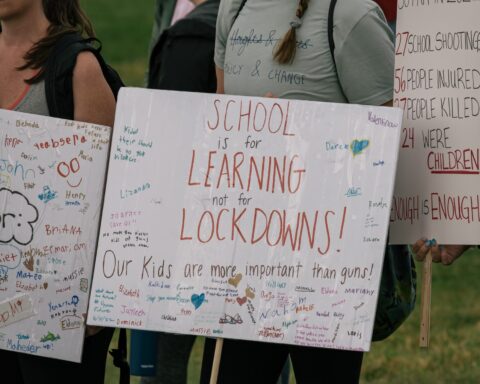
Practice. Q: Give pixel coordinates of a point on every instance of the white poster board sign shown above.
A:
(245, 218)
(437, 83)
(52, 175)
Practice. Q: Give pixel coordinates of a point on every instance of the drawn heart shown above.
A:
(197, 300)
(357, 146)
(241, 300)
(45, 285)
(249, 293)
(235, 280)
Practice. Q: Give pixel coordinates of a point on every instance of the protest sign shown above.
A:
(247, 218)
(437, 83)
(52, 176)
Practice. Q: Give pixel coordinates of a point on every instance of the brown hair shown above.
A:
(285, 51)
(65, 16)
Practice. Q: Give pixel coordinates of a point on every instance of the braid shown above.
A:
(285, 51)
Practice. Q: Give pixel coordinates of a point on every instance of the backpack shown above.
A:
(398, 285)
(193, 60)
(59, 73)
(186, 48)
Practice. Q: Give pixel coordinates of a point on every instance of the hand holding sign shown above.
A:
(445, 254)
(427, 251)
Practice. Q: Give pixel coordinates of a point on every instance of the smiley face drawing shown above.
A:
(65, 170)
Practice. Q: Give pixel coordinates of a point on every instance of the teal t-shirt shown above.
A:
(364, 51)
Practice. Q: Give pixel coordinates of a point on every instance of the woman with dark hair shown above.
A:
(308, 50)
(30, 30)
(29, 33)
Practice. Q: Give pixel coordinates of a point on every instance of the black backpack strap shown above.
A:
(331, 42)
(120, 357)
(59, 91)
(58, 73)
(239, 10)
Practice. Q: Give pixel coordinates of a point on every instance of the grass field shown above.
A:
(454, 356)
(124, 27)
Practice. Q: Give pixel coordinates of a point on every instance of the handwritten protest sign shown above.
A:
(437, 83)
(245, 218)
(52, 175)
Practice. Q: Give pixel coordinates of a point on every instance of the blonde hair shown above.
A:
(286, 48)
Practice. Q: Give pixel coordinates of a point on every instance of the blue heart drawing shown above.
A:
(197, 300)
(358, 146)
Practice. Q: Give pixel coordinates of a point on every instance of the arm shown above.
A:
(225, 19)
(365, 57)
(92, 97)
(220, 78)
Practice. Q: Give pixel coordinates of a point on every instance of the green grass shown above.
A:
(124, 26)
(454, 353)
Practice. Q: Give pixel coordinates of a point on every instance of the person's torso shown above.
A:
(250, 68)
(15, 93)
(34, 101)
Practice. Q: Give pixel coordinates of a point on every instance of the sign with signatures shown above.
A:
(437, 83)
(52, 175)
(249, 218)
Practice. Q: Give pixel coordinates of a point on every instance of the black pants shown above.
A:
(173, 354)
(254, 362)
(11, 373)
(30, 369)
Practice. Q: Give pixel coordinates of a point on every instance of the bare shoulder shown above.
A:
(87, 67)
(93, 99)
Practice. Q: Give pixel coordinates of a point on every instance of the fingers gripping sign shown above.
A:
(445, 254)
(421, 248)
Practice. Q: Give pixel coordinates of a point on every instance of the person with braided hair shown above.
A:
(283, 48)
(319, 50)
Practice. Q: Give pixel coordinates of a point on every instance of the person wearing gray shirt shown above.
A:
(364, 52)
